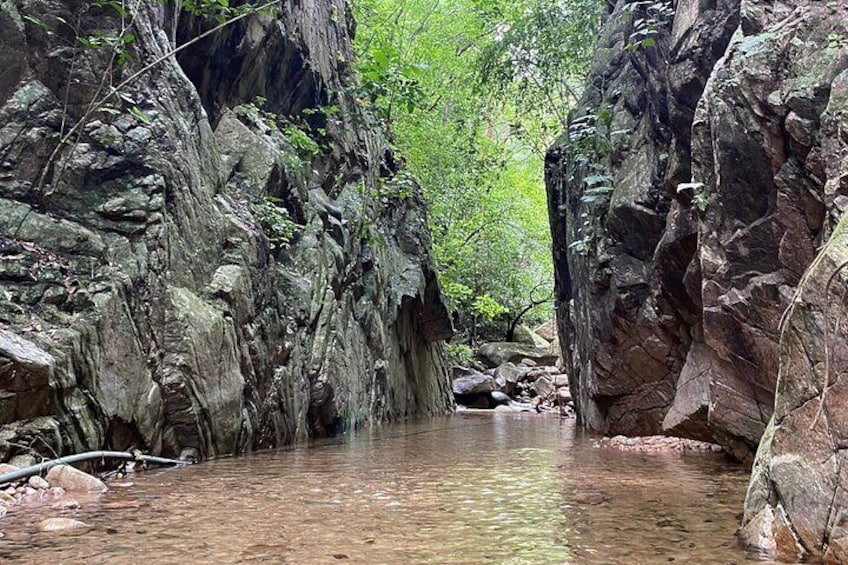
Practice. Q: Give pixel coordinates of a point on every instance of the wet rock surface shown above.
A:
(73, 480)
(61, 525)
(657, 444)
(146, 299)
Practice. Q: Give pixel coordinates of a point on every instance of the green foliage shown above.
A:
(488, 307)
(700, 198)
(275, 222)
(217, 10)
(538, 58)
(389, 82)
(296, 131)
(296, 134)
(836, 41)
(459, 354)
(473, 92)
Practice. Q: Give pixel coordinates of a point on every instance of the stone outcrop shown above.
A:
(223, 258)
(687, 200)
(796, 504)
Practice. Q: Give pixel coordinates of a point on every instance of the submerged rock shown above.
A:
(60, 525)
(658, 444)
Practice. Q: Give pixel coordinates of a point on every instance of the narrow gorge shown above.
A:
(319, 225)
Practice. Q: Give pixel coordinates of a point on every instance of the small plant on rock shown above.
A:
(275, 222)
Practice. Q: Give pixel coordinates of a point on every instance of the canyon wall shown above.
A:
(687, 200)
(221, 256)
(697, 208)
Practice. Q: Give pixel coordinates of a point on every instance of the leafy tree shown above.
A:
(472, 92)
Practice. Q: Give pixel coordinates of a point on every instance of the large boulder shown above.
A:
(498, 353)
(542, 387)
(508, 375)
(525, 335)
(74, 480)
(547, 330)
(473, 384)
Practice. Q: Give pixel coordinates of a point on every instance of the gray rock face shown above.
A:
(670, 299)
(145, 296)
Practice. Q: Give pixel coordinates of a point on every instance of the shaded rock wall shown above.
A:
(141, 301)
(671, 296)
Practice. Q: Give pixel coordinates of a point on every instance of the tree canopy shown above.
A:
(472, 92)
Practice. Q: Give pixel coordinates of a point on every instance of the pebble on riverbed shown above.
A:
(657, 444)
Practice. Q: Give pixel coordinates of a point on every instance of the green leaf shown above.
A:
(138, 113)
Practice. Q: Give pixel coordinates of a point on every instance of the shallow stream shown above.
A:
(472, 488)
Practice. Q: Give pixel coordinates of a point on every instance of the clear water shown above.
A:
(472, 488)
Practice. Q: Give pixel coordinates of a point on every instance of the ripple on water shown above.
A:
(494, 488)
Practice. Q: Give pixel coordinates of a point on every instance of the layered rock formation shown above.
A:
(711, 273)
(221, 259)
(687, 200)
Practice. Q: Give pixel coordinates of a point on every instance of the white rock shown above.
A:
(61, 525)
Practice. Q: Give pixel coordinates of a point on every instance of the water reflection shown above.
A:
(473, 488)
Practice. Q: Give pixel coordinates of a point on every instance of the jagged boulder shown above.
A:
(509, 375)
(473, 384)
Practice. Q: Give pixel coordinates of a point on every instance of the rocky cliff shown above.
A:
(687, 200)
(696, 204)
(221, 256)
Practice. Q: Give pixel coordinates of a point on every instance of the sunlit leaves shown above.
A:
(419, 64)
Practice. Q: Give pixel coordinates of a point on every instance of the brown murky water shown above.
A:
(473, 488)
